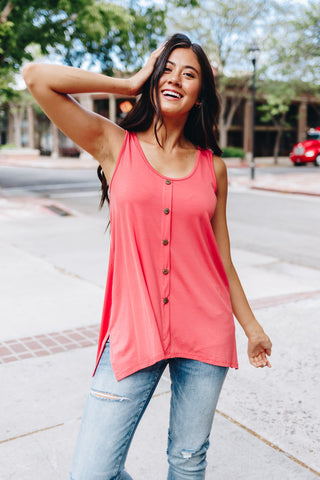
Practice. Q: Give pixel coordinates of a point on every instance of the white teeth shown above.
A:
(170, 93)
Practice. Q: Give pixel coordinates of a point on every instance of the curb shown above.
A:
(286, 190)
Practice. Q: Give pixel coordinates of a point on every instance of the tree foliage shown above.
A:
(305, 49)
(80, 30)
(290, 62)
(225, 30)
(292, 42)
(105, 32)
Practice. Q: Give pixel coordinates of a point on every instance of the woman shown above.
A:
(172, 288)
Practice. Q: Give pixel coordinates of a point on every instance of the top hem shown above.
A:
(121, 374)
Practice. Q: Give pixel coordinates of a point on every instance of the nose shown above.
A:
(175, 78)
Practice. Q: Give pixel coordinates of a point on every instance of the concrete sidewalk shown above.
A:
(293, 183)
(52, 285)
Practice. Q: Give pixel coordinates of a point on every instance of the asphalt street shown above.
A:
(269, 220)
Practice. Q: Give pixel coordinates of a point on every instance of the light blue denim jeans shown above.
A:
(114, 409)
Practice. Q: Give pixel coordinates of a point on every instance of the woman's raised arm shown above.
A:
(52, 86)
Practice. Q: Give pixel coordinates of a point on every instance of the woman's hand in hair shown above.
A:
(138, 80)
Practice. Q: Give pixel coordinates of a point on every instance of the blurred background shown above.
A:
(277, 41)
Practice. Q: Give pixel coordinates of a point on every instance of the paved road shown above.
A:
(11, 176)
(262, 222)
(285, 226)
(14, 180)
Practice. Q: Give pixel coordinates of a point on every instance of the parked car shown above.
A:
(307, 151)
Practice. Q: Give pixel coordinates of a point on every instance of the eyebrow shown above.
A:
(185, 66)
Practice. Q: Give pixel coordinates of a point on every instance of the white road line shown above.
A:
(75, 194)
(53, 186)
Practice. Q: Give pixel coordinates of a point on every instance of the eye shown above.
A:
(190, 75)
(167, 69)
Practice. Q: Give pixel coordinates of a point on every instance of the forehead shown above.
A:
(184, 57)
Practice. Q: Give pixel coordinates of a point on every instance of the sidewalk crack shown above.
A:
(267, 442)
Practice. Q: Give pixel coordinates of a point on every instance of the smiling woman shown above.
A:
(180, 82)
(171, 288)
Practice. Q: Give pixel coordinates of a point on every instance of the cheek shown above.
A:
(195, 91)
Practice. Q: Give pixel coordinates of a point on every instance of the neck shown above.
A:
(170, 134)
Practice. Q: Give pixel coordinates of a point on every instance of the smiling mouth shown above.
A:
(171, 94)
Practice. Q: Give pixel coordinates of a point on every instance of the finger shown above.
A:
(260, 361)
(156, 53)
(159, 49)
(264, 362)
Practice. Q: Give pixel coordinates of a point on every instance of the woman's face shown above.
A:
(180, 83)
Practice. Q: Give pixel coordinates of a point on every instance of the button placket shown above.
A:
(165, 267)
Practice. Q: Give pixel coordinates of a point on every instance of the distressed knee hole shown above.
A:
(107, 396)
(187, 453)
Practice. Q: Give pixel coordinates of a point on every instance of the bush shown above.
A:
(8, 146)
(233, 152)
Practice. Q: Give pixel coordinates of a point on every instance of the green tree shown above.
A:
(224, 30)
(292, 65)
(278, 96)
(80, 30)
(303, 49)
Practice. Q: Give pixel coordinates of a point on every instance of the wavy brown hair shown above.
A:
(201, 126)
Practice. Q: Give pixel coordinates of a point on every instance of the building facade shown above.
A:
(36, 131)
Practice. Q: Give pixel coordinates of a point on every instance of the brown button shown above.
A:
(165, 271)
(166, 211)
(168, 182)
(165, 242)
(165, 300)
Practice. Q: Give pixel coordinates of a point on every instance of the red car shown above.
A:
(307, 151)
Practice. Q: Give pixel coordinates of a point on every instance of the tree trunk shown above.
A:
(17, 121)
(6, 12)
(10, 128)
(277, 146)
(31, 139)
(55, 141)
(223, 135)
(225, 119)
(280, 127)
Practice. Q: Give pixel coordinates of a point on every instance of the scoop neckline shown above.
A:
(154, 170)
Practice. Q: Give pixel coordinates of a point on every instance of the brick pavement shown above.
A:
(48, 344)
(65, 340)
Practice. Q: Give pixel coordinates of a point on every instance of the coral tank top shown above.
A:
(167, 293)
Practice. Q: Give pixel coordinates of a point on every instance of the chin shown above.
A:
(173, 111)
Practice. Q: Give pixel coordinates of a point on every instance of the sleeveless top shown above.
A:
(167, 293)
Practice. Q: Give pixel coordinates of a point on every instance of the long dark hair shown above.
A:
(201, 126)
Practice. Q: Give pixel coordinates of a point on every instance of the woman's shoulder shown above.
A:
(220, 169)
(218, 163)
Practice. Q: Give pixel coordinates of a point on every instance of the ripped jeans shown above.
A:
(114, 409)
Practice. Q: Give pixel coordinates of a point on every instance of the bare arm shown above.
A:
(259, 344)
(52, 87)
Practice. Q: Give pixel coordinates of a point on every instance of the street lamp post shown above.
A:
(253, 51)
